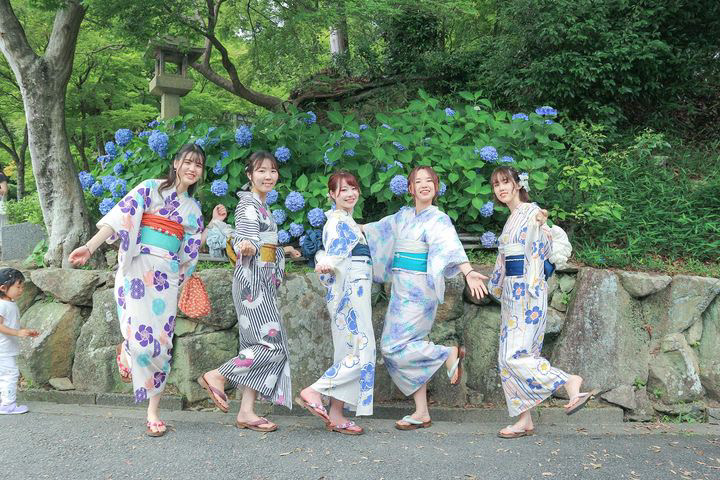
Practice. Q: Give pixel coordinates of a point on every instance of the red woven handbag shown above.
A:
(194, 300)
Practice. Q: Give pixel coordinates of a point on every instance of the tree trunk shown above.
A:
(43, 82)
(20, 166)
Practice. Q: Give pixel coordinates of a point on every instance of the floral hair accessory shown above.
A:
(524, 181)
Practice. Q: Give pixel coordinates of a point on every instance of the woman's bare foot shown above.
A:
(450, 361)
(250, 417)
(523, 425)
(419, 416)
(155, 425)
(572, 387)
(217, 381)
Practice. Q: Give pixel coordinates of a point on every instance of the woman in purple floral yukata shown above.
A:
(160, 228)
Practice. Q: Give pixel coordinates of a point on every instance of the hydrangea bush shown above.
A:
(463, 143)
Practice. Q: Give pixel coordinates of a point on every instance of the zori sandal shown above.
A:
(457, 366)
(214, 393)
(150, 433)
(125, 372)
(255, 425)
(347, 428)
(413, 424)
(583, 399)
(314, 408)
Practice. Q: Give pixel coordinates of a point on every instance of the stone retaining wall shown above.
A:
(648, 342)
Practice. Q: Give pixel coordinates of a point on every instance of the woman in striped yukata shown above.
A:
(518, 282)
(416, 248)
(346, 272)
(263, 363)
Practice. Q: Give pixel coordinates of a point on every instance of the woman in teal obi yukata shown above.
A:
(518, 282)
(416, 248)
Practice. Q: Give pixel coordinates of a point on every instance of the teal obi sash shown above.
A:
(417, 262)
(152, 237)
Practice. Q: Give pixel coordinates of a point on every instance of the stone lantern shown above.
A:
(171, 85)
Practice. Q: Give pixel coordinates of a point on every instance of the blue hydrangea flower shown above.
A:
(387, 166)
(218, 169)
(520, 116)
(545, 110)
(224, 154)
(108, 181)
(145, 133)
(283, 237)
(507, 159)
(442, 189)
(488, 239)
(349, 152)
(348, 134)
(271, 197)
(123, 136)
(488, 153)
(279, 216)
(310, 118)
(363, 127)
(158, 142)
(449, 112)
(243, 136)
(326, 159)
(487, 209)
(153, 124)
(129, 154)
(119, 188)
(200, 142)
(385, 125)
(316, 217)
(282, 154)
(106, 205)
(549, 122)
(110, 148)
(399, 146)
(97, 189)
(219, 188)
(301, 240)
(86, 179)
(294, 201)
(399, 185)
(118, 168)
(296, 229)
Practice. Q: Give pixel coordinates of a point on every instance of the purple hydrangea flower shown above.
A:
(123, 136)
(158, 142)
(316, 217)
(294, 201)
(296, 229)
(488, 239)
(487, 209)
(219, 188)
(218, 169)
(283, 237)
(282, 154)
(279, 216)
(546, 110)
(399, 185)
(272, 197)
(106, 205)
(243, 136)
(153, 124)
(110, 149)
(488, 153)
(310, 118)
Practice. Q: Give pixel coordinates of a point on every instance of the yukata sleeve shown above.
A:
(190, 248)
(445, 253)
(495, 285)
(339, 239)
(381, 237)
(538, 246)
(125, 218)
(247, 225)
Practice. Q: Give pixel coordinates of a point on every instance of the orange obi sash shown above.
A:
(163, 225)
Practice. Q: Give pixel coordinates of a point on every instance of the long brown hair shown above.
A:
(510, 174)
(187, 149)
(337, 178)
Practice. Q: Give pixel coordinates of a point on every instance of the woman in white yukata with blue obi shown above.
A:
(346, 271)
(519, 283)
(416, 248)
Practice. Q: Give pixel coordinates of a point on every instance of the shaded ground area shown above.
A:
(70, 441)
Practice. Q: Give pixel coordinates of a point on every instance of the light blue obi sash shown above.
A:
(150, 236)
(410, 255)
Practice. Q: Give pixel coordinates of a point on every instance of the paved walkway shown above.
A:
(93, 442)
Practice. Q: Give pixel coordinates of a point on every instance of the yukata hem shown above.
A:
(538, 402)
(347, 401)
(264, 397)
(444, 357)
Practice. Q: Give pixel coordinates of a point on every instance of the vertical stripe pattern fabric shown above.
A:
(262, 362)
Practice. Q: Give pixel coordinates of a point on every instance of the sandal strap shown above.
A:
(316, 406)
(258, 422)
(156, 424)
(411, 420)
(346, 426)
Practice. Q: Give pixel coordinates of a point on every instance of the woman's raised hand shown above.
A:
(219, 213)
(246, 249)
(80, 256)
(323, 268)
(542, 216)
(476, 284)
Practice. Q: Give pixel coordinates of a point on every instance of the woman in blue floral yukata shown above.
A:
(346, 272)
(518, 281)
(416, 248)
(160, 228)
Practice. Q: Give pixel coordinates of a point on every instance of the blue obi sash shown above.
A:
(515, 267)
(416, 262)
(360, 250)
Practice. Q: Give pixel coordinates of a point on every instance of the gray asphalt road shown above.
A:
(88, 442)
